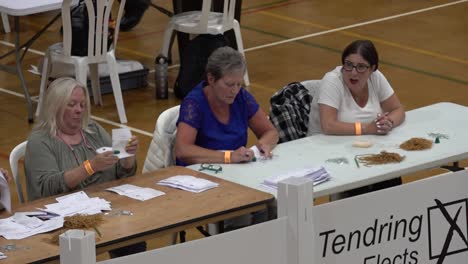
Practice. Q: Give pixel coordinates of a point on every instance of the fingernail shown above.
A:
(379, 131)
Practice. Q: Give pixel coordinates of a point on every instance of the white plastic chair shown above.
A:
(160, 152)
(205, 22)
(16, 154)
(312, 85)
(97, 52)
(6, 23)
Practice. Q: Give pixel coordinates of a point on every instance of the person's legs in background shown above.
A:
(134, 10)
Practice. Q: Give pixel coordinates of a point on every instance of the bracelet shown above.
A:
(88, 168)
(227, 157)
(357, 128)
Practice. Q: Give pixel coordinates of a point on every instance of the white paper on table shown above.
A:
(136, 192)
(2, 255)
(120, 137)
(5, 199)
(188, 183)
(12, 230)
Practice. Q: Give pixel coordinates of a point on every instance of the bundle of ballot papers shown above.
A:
(188, 183)
(135, 192)
(317, 175)
(25, 224)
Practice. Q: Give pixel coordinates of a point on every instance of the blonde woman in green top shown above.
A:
(61, 151)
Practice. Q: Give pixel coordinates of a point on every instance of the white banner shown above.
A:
(423, 222)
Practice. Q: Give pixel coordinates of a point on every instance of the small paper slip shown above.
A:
(317, 175)
(188, 183)
(120, 137)
(136, 192)
(2, 255)
(5, 199)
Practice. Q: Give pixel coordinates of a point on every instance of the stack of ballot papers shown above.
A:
(78, 203)
(26, 224)
(136, 192)
(188, 183)
(317, 175)
(22, 225)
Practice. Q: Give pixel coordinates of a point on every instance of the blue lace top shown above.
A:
(211, 133)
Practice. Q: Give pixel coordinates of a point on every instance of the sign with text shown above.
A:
(423, 222)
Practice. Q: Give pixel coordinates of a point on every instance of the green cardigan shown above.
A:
(47, 158)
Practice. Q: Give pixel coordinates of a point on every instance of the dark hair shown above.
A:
(365, 48)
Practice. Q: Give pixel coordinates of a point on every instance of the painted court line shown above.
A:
(375, 40)
(354, 25)
(102, 120)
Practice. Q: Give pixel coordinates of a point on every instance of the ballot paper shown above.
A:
(135, 192)
(315, 174)
(78, 203)
(10, 229)
(26, 224)
(188, 183)
(120, 137)
(5, 199)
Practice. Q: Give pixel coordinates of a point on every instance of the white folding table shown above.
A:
(448, 119)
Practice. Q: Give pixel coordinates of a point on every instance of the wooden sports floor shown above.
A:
(422, 45)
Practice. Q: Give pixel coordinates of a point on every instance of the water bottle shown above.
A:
(160, 77)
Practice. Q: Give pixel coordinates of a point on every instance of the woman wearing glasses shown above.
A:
(356, 98)
(215, 116)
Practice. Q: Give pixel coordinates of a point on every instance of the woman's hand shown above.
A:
(242, 154)
(103, 161)
(384, 124)
(265, 150)
(132, 145)
(6, 174)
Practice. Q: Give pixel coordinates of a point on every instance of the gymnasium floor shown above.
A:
(422, 46)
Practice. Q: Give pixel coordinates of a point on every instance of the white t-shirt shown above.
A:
(333, 92)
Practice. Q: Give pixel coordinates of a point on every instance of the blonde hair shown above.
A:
(56, 98)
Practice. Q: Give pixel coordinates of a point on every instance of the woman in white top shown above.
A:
(356, 98)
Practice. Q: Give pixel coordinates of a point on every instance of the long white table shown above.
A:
(445, 118)
(17, 9)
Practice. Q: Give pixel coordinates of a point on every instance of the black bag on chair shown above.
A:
(193, 62)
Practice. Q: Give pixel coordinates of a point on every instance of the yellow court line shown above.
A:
(376, 40)
(132, 51)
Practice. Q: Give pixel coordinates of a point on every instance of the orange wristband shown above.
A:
(88, 168)
(357, 128)
(227, 157)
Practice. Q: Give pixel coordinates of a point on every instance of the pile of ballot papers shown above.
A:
(316, 174)
(188, 183)
(135, 192)
(25, 224)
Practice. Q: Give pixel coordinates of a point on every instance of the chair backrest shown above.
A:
(16, 154)
(160, 152)
(229, 9)
(99, 13)
(312, 85)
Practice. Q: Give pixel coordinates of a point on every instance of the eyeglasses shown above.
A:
(210, 167)
(360, 67)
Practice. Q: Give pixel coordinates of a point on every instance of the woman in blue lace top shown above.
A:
(215, 116)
